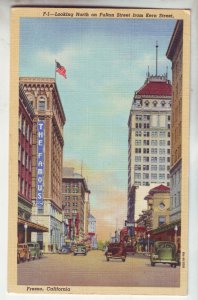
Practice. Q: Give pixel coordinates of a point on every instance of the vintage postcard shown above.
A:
(99, 126)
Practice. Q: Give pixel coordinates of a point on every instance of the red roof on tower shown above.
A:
(159, 188)
(156, 88)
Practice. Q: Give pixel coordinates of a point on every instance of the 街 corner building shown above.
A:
(47, 159)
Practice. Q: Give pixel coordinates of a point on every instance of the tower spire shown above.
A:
(156, 56)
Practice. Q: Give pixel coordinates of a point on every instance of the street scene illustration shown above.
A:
(99, 152)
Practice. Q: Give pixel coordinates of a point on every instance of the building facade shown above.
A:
(174, 53)
(74, 196)
(149, 137)
(25, 147)
(47, 158)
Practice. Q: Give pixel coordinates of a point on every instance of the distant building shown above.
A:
(75, 193)
(92, 231)
(174, 53)
(47, 158)
(149, 137)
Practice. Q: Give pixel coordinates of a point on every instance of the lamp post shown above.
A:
(25, 227)
(148, 240)
(176, 229)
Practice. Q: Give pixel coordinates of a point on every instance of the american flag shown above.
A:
(60, 69)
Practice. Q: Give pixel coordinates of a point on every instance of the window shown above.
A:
(153, 176)
(161, 159)
(146, 159)
(138, 133)
(20, 121)
(162, 220)
(23, 156)
(162, 103)
(169, 134)
(138, 167)
(153, 167)
(146, 117)
(154, 133)
(27, 132)
(138, 150)
(155, 103)
(146, 183)
(75, 198)
(137, 158)
(67, 198)
(146, 143)
(146, 167)
(153, 142)
(153, 150)
(41, 104)
(67, 188)
(40, 211)
(137, 176)
(162, 143)
(162, 133)
(146, 103)
(161, 205)
(146, 150)
(154, 159)
(161, 176)
(146, 133)
(161, 167)
(138, 117)
(145, 176)
(19, 152)
(138, 142)
(162, 151)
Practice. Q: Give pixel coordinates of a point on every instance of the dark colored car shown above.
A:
(64, 249)
(164, 252)
(116, 251)
(80, 249)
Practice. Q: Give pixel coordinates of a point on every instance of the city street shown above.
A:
(94, 270)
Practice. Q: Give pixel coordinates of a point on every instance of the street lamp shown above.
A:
(25, 227)
(148, 240)
(176, 229)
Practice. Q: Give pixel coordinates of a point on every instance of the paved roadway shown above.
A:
(94, 270)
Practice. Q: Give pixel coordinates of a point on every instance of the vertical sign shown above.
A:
(40, 164)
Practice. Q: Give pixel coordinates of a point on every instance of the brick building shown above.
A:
(74, 194)
(46, 172)
(25, 141)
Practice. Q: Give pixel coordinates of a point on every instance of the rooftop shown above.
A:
(160, 189)
(156, 86)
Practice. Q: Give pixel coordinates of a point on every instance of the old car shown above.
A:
(35, 250)
(116, 251)
(164, 252)
(80, 249)
(23, 253)
(64, 249)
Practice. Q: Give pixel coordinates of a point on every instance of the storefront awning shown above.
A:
(34, 227)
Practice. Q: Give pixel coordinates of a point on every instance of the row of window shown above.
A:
(148, 142)
(24, 158)
(75, 198)
(24, 188)
(152, 133)
(153, 176)
(70, 204)
(146, 118)
(152, 150)
(140, 125)
(152, 159)
(147, 183)
(154, 103)
(25, 128)
(74, 211)
(153, 167)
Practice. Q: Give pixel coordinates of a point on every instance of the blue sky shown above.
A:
(106, 61)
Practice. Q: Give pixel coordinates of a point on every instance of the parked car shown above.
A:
(35, 250)
(23, 253)
(116, 251)
(164, 252)
(64, 249)
(80, 249)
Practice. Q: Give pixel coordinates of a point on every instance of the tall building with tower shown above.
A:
(149, 136)
(47, 158)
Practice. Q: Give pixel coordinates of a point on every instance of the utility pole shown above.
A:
(156, 55)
